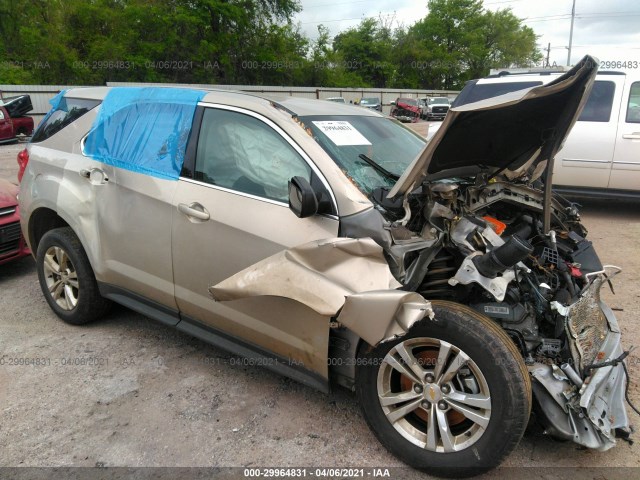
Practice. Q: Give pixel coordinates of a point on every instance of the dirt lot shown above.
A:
(127, 391)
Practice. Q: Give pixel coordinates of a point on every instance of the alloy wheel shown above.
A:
(61, 278)
(434, 394)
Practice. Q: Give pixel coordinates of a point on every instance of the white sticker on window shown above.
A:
(342, 133)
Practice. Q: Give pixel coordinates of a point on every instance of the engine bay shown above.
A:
(481, 243)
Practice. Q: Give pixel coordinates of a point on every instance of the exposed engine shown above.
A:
(482, 244)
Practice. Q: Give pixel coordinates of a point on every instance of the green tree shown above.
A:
(461, 40)
(365, 52)
(251, 42)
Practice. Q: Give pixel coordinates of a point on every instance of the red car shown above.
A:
(12, 245)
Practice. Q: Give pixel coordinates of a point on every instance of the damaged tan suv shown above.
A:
(442, 282)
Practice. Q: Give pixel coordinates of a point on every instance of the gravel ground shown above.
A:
(127, 391)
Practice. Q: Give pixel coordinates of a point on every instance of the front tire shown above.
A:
(66, 278)
(452, 397)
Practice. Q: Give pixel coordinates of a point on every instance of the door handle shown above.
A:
(95, 175)
(632, 136)
(194, 210)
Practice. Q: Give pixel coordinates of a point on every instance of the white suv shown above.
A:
(601, 155)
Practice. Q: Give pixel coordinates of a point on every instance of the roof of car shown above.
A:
(294, 105)
(305, 106)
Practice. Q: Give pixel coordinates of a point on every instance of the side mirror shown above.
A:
(302, 199)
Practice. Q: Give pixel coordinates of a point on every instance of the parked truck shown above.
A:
(13, 119)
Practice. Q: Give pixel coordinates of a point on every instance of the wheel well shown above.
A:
(343, 354)
(42, 220)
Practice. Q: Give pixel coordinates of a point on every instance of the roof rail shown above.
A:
(500, 72)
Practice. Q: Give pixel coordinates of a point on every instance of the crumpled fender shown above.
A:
(345, 275)
(319, 274)
(382, 315)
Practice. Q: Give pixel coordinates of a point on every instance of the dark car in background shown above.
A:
(12, 245)
(372, 103)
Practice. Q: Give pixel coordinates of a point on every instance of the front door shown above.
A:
(585, 159)
(231, 212)
(625, 173)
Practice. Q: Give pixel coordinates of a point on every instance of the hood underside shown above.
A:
(518, 130)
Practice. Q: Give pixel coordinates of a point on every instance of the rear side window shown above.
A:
(67, 111)
(633, 105)
(476, 92)
(598, 106)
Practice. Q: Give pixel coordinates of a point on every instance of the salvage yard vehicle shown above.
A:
(436, 108)
(601, 156)
(443, 282)
(12, 244)
(13, 121)
(373, 103)
(406, 110)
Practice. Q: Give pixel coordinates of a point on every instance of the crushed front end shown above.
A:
(484, 245)
(495, 237)
(583, 399)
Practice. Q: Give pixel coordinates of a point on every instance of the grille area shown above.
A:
(7, 211)
(9, 238)
(587, 326)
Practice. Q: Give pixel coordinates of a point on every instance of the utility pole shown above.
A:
(573, 16)
(546, 65)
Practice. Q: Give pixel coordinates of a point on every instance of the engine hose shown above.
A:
(503, 257)
(613, 363)
(626, 389)
(570, 285)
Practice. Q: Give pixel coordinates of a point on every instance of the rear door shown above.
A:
(587, 155)
(625, 173)
(231, 211)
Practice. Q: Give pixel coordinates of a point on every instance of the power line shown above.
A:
(331, 21)
(333, 4)
(503, 1)
(383, 15)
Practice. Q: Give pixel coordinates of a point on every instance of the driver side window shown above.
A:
(242, 153)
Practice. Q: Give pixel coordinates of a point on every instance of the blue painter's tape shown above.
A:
(55, 105)
(144, 130)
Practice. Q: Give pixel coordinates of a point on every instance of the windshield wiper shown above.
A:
(379, 168)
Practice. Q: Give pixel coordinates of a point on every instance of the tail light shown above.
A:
(23, 159)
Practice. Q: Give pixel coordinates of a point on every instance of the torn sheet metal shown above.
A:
(380, 316)
(319, 274)
(144, 130)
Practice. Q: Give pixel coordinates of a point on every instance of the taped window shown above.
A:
(144, 130)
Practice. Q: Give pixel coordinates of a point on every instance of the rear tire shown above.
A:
(452, 396)
(66, 278)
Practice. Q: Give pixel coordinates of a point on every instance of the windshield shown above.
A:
(383, 140)
(439, 100)
(408, 101)
(369, 101)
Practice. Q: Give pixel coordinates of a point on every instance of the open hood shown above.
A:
(518, 131)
